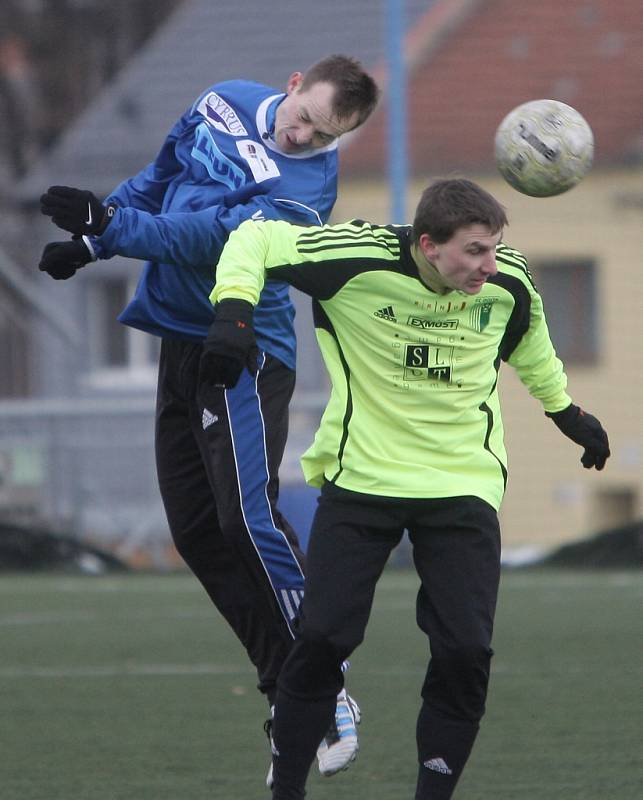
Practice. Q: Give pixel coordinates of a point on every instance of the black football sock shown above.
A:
(298, 728)
(444, 746)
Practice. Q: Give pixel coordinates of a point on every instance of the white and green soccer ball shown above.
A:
(543, 148)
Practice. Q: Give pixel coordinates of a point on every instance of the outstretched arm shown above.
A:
(181, 238)
(191, 237)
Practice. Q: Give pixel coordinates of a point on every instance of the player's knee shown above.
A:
(469, 655)
(187, 545)
(459, 677)
(182, 546)
(313, 667)
(467, 662)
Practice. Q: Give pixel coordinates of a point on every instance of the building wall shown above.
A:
(550, 498)
(60, 459)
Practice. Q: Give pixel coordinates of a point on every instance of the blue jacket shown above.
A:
(217, 168)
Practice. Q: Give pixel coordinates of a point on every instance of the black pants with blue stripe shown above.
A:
(218, 453)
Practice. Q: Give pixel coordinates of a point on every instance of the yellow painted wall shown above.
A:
(550, 498)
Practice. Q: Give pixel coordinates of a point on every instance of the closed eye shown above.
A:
(327, 138)
(321, 136)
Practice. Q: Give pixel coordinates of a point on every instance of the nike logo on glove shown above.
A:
(89, 219)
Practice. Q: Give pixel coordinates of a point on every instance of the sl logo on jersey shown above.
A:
(427, 362)
(480, 314)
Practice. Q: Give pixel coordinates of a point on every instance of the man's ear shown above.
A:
(294, 82)
(427, 246)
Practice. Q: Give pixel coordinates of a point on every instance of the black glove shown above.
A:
(76, 210)
(585, 430)
(62, 259)
(230, 345)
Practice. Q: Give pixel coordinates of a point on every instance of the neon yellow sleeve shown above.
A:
(251, 250)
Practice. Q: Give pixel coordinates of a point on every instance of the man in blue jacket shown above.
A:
(241, 151)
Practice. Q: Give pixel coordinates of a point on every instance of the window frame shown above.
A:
(574, 295)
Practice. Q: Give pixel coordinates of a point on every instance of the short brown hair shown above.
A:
(355, 89)
(448, 204)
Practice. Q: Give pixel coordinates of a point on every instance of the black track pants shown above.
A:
(456, 550)
(218, 453)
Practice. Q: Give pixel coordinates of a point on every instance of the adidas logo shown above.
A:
(438, 765)
(386, 313)
(208, 419)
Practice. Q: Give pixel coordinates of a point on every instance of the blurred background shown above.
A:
(88, 91)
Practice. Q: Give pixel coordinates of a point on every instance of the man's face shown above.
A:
(467, 259)
(305, 119)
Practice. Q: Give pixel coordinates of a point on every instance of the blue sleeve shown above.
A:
(195, 237)
(146, 190)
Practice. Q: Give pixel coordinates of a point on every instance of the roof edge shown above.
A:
(434, 26)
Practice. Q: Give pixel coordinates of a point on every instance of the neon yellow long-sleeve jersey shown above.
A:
(414, 408)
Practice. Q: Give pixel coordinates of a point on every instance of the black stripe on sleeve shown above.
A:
(513, 258)
(324, 279)
(518, 323)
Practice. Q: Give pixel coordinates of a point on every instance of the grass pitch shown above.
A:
(132, 688)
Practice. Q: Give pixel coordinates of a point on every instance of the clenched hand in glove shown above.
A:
(230, 346)
(76, 210)
(62, 259)
(585, 430)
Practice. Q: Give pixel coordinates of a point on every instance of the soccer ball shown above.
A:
(543, 148)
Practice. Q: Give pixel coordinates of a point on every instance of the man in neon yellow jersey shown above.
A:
(413, 323)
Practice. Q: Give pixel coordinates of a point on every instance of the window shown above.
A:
(14, 349)
(118, 352)
(613, 507)
(568, 289)
(112, 345)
